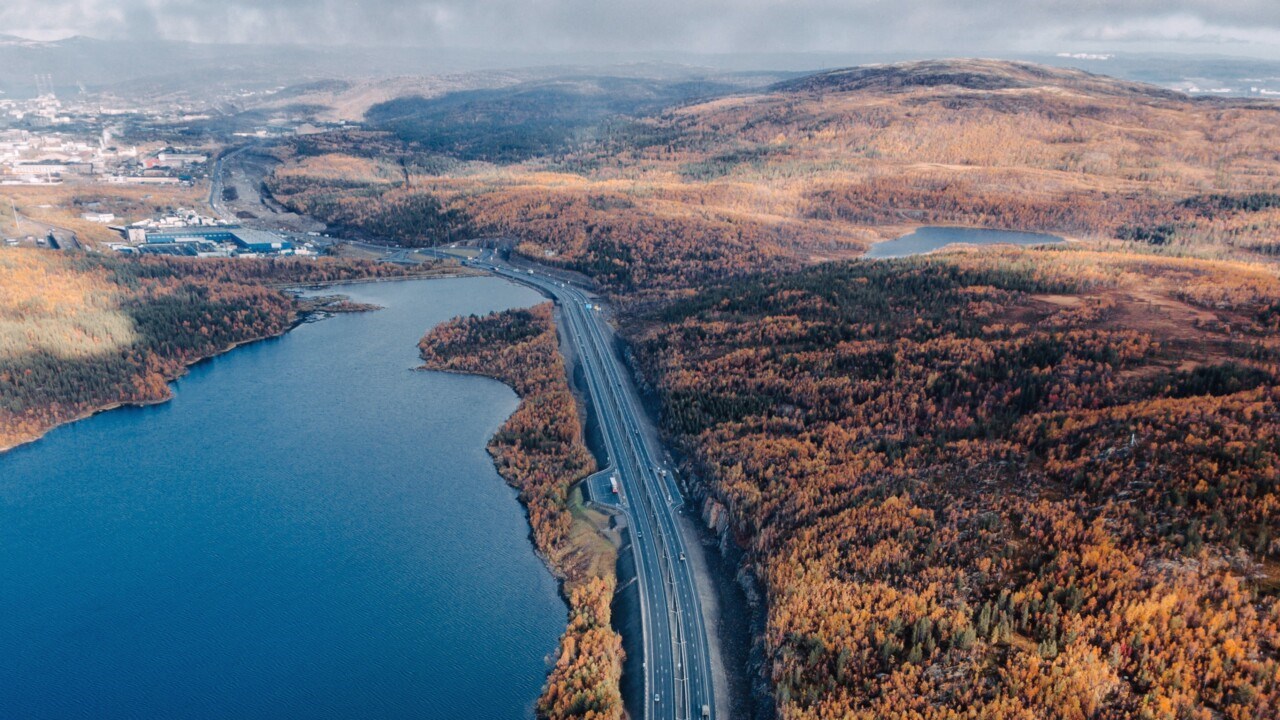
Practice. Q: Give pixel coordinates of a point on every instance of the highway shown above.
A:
(677, 659)
(215, 186)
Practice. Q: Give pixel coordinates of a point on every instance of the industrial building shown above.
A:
(244, 239)
(169, 158)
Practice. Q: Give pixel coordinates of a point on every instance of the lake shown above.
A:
(928, 239)
(309, 529)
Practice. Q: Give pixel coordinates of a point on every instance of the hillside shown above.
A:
(1010, 484)
(1001, 485)
(822, 166)
(969, 75)
(531, 119)
(82, 333)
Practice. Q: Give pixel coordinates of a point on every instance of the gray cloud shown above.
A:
(963, 26)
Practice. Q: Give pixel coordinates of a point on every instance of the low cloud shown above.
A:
(1180, 28)
(942, 26)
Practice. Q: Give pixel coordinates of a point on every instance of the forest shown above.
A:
(83, 332)
(540, 451)
(532, 119)
(653, 201)
(1021, 484)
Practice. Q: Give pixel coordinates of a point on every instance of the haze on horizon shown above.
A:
(954, 27)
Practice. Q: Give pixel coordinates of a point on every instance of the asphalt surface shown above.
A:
(63, 238)
(677, 659)
(216, 184)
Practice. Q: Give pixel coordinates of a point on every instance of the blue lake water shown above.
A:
(928, 239)
(310, 529)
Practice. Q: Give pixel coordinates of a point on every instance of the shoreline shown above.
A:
(319, 284)
(186, 367)
(301, 315)
(584, 559)
(561, 577)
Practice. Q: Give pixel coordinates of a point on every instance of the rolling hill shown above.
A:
(1012, 484)
(822, 166)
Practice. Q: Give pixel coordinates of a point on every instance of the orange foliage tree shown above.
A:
(539, 450)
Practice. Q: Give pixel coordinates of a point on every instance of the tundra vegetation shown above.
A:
(820, 167)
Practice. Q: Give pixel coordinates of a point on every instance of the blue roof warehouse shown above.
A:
(245, 240)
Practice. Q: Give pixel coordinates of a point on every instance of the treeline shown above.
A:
(135, 272)
(1028, 484)
(540, 451)
(630, 246)
(79, 333)
(937, 200)
(1249, 202)
(357, 195)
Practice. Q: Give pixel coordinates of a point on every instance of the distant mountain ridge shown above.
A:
(970, 74)
(152, 64)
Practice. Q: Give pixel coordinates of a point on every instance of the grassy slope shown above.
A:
(61, 205)
(82, 333)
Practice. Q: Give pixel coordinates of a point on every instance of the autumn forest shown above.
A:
(1004, 484)
(80, 333)
(1018, 484)
(1007, 483)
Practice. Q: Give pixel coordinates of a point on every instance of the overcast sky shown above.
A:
(1236, 27)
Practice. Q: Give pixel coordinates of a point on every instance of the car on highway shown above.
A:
(619, 414)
